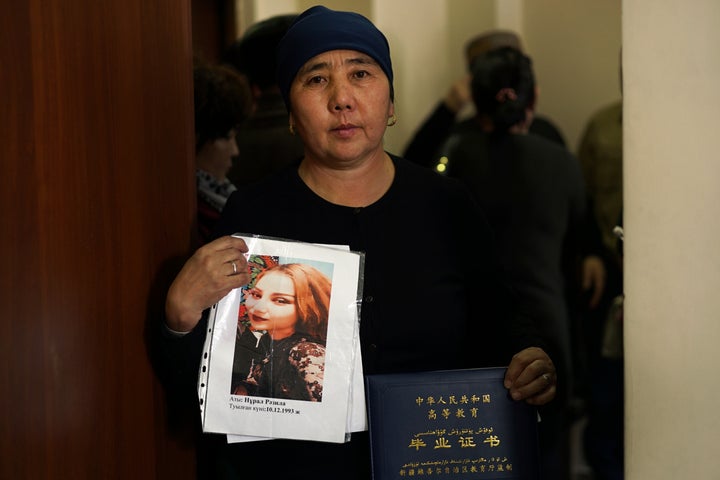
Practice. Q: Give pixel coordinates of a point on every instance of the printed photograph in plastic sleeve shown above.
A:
(281, 352)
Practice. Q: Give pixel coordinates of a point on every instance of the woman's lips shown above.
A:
(345, 130)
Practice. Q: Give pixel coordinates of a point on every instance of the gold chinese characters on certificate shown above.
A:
(451, 424)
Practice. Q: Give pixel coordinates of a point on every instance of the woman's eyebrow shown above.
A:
(314, 67)
(280, 294)
(359, 60)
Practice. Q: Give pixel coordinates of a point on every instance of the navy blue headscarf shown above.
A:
(319, 29)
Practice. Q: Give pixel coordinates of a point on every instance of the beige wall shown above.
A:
(672, 230)
(575, 45)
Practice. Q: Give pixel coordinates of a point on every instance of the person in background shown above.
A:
(600, 154)
(433, 295)
(265, 141)
(457, 106)
(533, 193)
(222, 103)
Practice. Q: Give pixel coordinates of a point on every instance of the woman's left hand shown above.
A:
(531, 376)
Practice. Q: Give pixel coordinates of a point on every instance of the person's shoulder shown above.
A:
(609, 112)
(466, 126)
(412, 174)
(445, 203)
(540, 142)
(606, 119)
(539, 146)
(272, 182)
(272, 189)
(423, 184)
(546, 128)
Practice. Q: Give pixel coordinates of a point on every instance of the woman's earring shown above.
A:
(392, 121)
(292, 129)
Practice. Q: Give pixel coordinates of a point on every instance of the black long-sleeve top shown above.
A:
(433, 298)
(533, 194)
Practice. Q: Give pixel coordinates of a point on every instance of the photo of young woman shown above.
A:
(280, 347)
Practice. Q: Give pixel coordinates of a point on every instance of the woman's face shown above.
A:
(216, 156)
(271, 305)
(340, 106)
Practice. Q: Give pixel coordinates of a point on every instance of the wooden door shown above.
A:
(96, 144)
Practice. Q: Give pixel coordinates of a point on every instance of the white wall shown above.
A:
(671, 71)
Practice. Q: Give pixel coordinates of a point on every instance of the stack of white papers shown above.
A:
(338, 408)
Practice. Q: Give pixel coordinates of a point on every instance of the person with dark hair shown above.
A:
(533, 194)
(222, 103)
(265, 142)
(456, 106)
(425, 241)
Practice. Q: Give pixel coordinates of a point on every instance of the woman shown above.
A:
(289, 305)
(432, 295)
(222, 102)
(533, 193)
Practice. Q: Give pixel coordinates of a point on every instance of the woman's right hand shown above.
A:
(211, 273)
